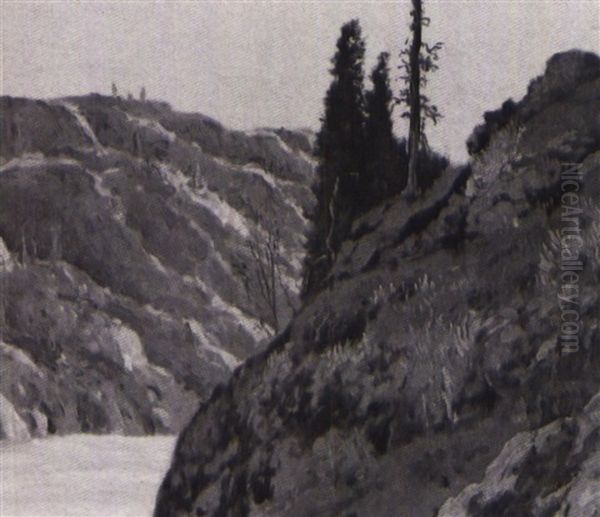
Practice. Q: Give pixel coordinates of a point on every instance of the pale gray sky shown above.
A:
(252, 64)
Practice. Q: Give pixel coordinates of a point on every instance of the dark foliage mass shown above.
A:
(341, 146)
(386, 160)
(362, 162)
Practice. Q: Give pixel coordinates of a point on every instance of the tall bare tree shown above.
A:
(414, 134)
(417, 59)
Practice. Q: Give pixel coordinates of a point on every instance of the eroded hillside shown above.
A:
(435, 351)
(125, 228)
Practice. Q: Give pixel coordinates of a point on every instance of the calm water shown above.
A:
(83, 476)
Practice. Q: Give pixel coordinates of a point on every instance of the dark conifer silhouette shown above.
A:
(340, 145)
(383, 174)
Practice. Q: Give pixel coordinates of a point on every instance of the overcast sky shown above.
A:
(266, 63)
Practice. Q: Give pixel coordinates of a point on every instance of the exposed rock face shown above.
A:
(547, 471)
(564, 72)
(437, 344)
(123, 228)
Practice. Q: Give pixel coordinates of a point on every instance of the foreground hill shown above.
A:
(436, 353)
(126, 242)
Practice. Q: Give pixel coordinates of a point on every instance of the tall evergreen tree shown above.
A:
(340, 146)
(383, 175)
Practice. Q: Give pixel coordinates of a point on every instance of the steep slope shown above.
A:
(127, 288)
(437, 343)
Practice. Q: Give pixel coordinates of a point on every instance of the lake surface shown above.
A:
(83, 476)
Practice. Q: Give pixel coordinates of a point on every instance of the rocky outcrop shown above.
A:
(437, 343)
(548, 471)
(565, 72)
(126, 265)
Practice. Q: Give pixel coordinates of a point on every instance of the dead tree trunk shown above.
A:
(414, 136)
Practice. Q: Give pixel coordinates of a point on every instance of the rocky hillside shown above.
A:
(432, 376)
(128, 250)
